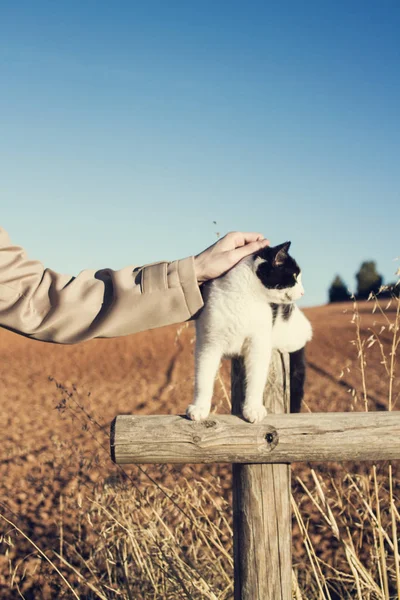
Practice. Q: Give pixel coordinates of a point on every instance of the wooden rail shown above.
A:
(261, 455)
(278, 439)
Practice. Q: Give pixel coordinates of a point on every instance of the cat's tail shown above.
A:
(297, 379)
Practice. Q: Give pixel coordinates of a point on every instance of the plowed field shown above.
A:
(50, 450)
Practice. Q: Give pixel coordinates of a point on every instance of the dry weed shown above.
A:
(138, 534)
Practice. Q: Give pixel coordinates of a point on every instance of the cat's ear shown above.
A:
(281, 253)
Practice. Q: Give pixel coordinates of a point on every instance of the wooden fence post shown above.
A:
(260, 453)
(261, 503)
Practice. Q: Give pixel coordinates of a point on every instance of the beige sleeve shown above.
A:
(45, 305)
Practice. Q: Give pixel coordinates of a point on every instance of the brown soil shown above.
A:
(46, 450)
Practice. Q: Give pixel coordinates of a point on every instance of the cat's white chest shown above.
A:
(235, 313)
(242, 325)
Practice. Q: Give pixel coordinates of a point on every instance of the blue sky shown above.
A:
(128, 128)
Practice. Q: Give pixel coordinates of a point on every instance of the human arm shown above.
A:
(38, 302)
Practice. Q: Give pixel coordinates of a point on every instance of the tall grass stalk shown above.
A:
(160, 533)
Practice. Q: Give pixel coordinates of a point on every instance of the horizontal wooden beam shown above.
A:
(278, 439)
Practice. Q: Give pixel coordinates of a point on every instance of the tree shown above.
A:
(368, 280)
(338, 291)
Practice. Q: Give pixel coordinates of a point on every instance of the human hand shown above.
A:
(226, 253)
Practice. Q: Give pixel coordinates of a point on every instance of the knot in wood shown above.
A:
(196, 439)
(272, 438)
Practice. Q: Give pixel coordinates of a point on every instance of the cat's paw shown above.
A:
(197, 412)
(254, 414)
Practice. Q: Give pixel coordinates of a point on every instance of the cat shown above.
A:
(247, 312)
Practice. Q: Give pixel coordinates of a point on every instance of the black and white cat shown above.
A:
(248, 312)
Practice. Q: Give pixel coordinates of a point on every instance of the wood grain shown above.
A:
(261, 455)
(278, 439)
(261, 504)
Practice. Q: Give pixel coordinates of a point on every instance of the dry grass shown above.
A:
(163, 533)
(356, 509)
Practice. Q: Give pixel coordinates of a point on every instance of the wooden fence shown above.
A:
(261, 455)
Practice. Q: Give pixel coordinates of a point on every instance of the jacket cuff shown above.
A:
(176, 275)
(189, 284)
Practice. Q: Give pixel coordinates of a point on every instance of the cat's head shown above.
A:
(279, 273)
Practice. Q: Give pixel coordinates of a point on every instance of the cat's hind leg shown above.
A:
(257, 358)
(297, 379)
(207, 360)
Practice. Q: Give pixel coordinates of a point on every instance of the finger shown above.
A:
(241, 238)
(250, 248)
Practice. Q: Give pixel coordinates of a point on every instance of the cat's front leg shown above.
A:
(207, 362)
(257, 358)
